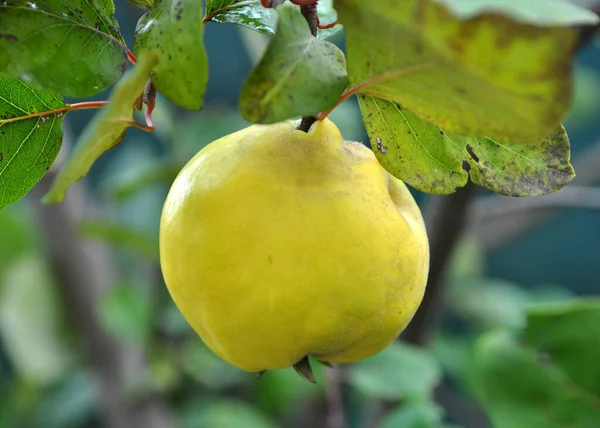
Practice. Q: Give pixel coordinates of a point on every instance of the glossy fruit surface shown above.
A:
(276, 244)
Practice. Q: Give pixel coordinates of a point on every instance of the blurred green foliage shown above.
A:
(526, 356)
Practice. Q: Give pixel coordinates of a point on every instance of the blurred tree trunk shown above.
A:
(84, 271)
(446, 218)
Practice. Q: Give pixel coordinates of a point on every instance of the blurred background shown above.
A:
(90, 338)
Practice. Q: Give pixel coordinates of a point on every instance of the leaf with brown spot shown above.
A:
(173, 29)
(484, 73)
(435, 161)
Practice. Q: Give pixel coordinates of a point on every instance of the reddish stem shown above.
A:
(70, 107)
(211, 15)
(374, 80)
(327, 26)
(131, 57)
(78, 106)
(345, 95)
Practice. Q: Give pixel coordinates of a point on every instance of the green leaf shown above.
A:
(216, 6)
(518, 388)
(435, 161)
(107, 128)
(121, 236)
(28, 147)
(73, 47)
(489, 76)
(399, 371)
(298, 75)
(415, 414)
(225, 413)
(125, 312)
(512, 169)
(251, 14)
(411, 149)
(569, 334)
(173, 30)
(32, 326)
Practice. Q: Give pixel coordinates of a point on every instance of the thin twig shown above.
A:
(306, 123)
(328, 26)
(310, 14)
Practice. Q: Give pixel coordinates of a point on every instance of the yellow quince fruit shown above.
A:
(277, 244)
